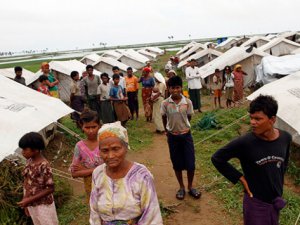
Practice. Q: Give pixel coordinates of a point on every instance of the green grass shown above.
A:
(75, 211)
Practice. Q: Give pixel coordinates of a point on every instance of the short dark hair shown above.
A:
(18, 68)
(104, 75)
(89, 116)
(129, 68)
(193, 60)
(115, 68)
(43, 78)
(116, 76)
(74, 74)
(175, 81)
(265, 103)
(89, 67)
(32, 140)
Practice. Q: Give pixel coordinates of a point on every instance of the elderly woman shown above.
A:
(147, 84)
(123, 192)
(157, 97)
(238, 83)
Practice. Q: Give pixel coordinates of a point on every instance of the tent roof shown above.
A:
(287, 34)
(24, 110)
(66, 67)
(112, 53)
(227, 41)
(113, 62)
(231, 57)
(186, 47)
(155, 49)
(94, 57)
(130, 53)
(29, 76)
(255, 39)
(286, 91)
(275, 42)
(143, 51)
(194, 48)
(199, 55)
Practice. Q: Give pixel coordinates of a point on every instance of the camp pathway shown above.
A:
(204, 211)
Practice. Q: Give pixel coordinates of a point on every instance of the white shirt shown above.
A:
(193, 77)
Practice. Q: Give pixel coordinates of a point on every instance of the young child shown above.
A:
(217, 87)
(18, 78)
(119, 101)
(43, 88)
(106, 110)
(176, 113)
(154, 94)
(86, 153)
(38, 185)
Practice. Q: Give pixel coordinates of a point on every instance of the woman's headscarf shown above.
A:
(45, 65)
(237, 66)
(172, 71)
(158, 76)
(113, 130)
(147, 70)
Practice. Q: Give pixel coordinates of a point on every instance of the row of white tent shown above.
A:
(103, 63)
(24, 110)
(265, 59)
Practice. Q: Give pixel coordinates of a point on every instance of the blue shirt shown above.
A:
(116, 92)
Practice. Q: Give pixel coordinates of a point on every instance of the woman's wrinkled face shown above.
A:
(112, 151)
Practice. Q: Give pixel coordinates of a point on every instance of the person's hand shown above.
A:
(246, 187)
(24, 202)
(26, 212)
(78, 167)
(125, 98)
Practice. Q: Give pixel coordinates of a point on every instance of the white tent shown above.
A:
(193, 50)
(62, 70)
(29, 76)
(155, 50)
(228, 43)
(273, 67)
(105, 65)
(90, 59)
(287, 92)
(186, 48)
(133, 59)
(279, 46)
(24, 110)
(297, 51)
(111, 53)
(258, 41)
(202, 57)
(235, 55)
(290, 35)
(149, 55)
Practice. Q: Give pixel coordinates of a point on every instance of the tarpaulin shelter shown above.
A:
(24, 110)
(287, 93)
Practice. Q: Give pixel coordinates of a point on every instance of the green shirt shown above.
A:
(51, 80)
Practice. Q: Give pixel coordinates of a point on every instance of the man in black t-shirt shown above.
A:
(264, 155)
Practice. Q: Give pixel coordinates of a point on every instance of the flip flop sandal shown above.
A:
(194, 193)
(180, 194)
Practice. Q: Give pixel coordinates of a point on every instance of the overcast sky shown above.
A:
(67, 24)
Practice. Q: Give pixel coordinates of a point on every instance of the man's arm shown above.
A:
(222, 156)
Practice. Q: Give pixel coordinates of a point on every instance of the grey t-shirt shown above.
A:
(91, 85)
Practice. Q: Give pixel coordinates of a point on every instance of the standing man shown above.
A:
(132, 87)
(176, 113)
(264, 155)
(18, 77)
(194, 84)
(91, 83)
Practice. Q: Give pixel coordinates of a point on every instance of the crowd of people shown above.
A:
(120, 191)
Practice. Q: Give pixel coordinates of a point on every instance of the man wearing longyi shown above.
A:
(264, 155)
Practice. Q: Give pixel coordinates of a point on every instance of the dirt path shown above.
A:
(190, 211)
